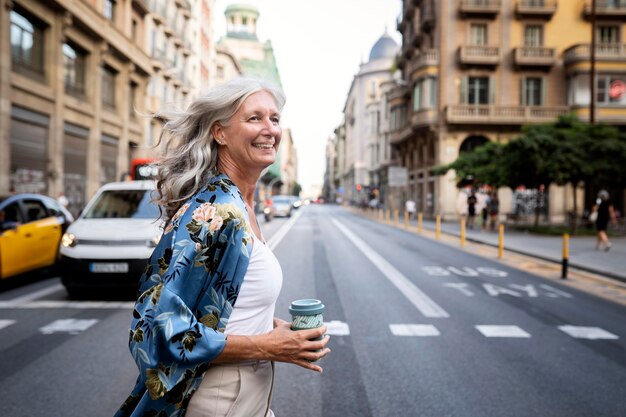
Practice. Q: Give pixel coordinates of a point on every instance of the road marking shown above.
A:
(337, 328)
(413, 330)
(69, 304)
(6, 323)
(501, 331)
(461, 286)
(15, 302)
(591, 333)
(280, 234)
(465, 271)
(71, 326)
(556, 291)
(420, 300)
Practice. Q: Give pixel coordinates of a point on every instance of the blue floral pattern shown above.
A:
(187, 293)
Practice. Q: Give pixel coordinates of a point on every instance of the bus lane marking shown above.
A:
(6, 323)
(71, 326)
(591, 333)
(421, 301)
(502, 331)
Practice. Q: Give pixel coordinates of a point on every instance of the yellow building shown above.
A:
(77, 78)
(477, 70)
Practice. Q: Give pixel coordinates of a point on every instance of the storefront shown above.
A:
(28, 143)
(75, 166)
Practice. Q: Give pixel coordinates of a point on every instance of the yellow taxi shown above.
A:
(31, 226)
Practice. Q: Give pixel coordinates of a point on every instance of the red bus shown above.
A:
(143, 169)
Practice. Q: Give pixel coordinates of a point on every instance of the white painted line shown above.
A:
(34, 295)
(413, 330)
(280, 234)
(70, 304)
(420, 300)
(71, 326)
(337, 328)
(556, 290)
(6, 323)
(591, 333)
(501, 331)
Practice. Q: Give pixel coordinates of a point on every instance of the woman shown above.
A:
(604, 212)
(203, 332)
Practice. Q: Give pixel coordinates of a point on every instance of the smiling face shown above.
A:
(249, 143)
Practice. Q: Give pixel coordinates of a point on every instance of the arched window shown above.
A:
(472, 142)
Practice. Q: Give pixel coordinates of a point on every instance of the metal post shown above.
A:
(565, 261)
(438, 226)
(501, 241)
(420, 223)
(406, 219)
(462, 231)
(387, 216)
(395, 217)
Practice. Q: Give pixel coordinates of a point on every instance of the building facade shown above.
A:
(77, 79)
(478, 70)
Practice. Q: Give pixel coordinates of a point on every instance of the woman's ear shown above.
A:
(217, 131)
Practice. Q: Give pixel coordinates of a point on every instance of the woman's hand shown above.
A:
(293, 346)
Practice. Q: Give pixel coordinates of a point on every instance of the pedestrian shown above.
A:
(62, 200)
(409, 206)
(203, 332)
(603, 211)
(471, 209)
(494, 207)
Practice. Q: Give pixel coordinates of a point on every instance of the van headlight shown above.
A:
(69, 240)
(152, 243)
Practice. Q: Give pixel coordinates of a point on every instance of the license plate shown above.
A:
(108, 267)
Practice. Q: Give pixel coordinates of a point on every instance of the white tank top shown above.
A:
(254, 310)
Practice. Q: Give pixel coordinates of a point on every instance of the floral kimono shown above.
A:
(187, 294)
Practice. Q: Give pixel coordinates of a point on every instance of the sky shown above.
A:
(318, 48)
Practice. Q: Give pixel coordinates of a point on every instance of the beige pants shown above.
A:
(234, 390)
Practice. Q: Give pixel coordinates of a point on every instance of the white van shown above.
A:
(109, 244)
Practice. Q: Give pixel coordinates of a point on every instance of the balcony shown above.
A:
(427, 58)
(534, 56)
(427, 18)
(613, 52)
(606, 9)
(479, 55)
(158, 59)
(400, 135)
(502, 115)
(480, 8)
(141, 6)
(424, 117)
(535, 9)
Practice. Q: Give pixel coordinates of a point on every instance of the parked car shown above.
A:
(283, 205)
(295, 201)
(31, 226)
(108, 246)
(268, 210)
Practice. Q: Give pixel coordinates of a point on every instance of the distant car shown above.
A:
(31, 226)
(295, 201)
(283, 205)
(108, 246)
(268, 210)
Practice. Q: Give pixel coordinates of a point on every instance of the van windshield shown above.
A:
(123, 204)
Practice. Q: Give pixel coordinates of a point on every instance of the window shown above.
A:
(611, 90)
(73, 70)
(26, 43)
(607, 34)
(244, 20)
(109, 9)
(108, 86)
(134, 32)
(478, 34)
(532, 91)
(533, 35)
(475, 90)
(417, 96)
(132, 99)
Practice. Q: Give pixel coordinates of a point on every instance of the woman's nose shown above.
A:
(273, 128)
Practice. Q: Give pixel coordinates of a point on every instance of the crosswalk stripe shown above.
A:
(71, 326)
(591, 333)
(421, 301)
(413, 330)
(6, 323)
(502, 331)
(337, 328)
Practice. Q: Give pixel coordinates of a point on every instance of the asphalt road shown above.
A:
(417, 329)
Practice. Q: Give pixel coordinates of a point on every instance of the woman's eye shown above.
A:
(275, 120)
(255, 118)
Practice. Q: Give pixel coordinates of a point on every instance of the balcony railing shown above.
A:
(401, 134)
(535, 8)
(428, 58)
(479, 55)
(604, 52)
(609, 9)
(480, 7)
(424, 117)
(514, 115)
(534, 56)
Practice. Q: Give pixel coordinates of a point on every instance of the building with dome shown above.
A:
(364, 147)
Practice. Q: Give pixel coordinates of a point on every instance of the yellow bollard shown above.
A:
(501, 241)
(462, 231)
(565, 261)
(387, 216)
(438, 226)
(395, 217)
(380, 215)
(420, 223)
(406, 219)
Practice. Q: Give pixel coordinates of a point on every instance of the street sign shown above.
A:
(398, 177)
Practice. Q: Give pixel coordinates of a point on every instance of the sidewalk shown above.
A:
(582, 253)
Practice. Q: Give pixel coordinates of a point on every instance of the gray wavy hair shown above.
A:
(190, 156)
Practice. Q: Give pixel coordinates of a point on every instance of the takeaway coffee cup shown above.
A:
(306, 314)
